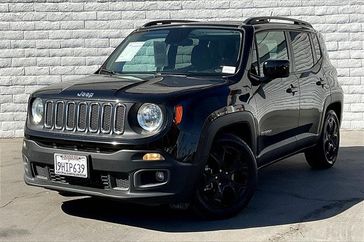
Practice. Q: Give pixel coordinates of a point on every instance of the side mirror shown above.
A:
(276, 69)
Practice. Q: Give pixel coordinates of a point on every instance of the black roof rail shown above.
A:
(266, 19)
(166, 21)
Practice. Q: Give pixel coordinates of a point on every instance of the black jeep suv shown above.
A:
(186, 112)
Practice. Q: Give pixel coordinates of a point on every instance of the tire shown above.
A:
(324, 154)
(68, 194)
(228, 180)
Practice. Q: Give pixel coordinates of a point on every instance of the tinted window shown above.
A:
(181, 50)
(302, 50)
(271, 46)
(254, 66)
(316, 46)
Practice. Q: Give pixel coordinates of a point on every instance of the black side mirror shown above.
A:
(276, 69)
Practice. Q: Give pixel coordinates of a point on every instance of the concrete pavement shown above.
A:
(293, 202)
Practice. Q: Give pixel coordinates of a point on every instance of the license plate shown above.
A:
(70, 165)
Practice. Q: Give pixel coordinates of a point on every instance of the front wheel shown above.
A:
(324, 154)
(228, 179)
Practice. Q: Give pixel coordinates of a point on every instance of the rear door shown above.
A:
(307, 66)
(277, 101)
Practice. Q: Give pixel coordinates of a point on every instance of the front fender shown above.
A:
(213, 126)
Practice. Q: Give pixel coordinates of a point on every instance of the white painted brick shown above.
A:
(31, 89)
(6, 117)
(46, 25)
(73, 61)
(48, 61)
(7, 80)
(84, 16)
(72, 25)
(35, 71)
(24, 80)
(20, 98)
(23, 44)
(13, 107)
(91, 6)
(5, 62)
(350, 45)
(11, 35)
(97, 43)
(8, 126)
(7, 134)
(36, 52)
(48, 44)
(6, 98)
(21, 25)
(18, 62)
(21, 7)
(19, 133)
(36, 35)
(108, 15)
(4, 7)
(357, 72)
(349, 63)
(47, 80)
(45, 42)
(12, 71)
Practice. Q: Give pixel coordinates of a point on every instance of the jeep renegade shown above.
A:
(186, 112)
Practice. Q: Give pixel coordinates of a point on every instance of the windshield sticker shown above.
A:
(228, 69)
(130, 51)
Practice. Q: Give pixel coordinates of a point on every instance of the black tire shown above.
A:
(228, 179)
(68, 194)
(324, 154)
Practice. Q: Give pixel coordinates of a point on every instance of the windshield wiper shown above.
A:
(110, 72)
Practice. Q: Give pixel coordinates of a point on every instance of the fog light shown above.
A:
(153, 156)
(160, 176)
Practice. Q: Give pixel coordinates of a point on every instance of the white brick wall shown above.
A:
(45, 42)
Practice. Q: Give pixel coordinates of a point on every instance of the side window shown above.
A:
(271, 45)
(316, 46)
(302, 51)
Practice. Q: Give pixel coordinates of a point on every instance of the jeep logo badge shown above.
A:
(85, 94)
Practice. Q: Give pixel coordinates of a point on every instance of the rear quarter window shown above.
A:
(316, 46)
(302, 51)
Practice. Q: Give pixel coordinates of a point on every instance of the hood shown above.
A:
(130, 87)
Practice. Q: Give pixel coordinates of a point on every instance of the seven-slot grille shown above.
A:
(89, 117)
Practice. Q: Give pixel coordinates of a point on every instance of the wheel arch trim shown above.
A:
(211, 129)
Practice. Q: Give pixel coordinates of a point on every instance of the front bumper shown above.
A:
(112, 174)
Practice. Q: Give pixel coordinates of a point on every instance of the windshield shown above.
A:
(187, 51)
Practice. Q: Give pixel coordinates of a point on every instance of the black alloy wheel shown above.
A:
(228, 178)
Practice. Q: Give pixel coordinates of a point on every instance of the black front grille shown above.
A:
(82, 117)
(119, 120)
(106, 119)
(88, 117)
(60, 115)
(94, 117)
(71, 116)
(49, 114)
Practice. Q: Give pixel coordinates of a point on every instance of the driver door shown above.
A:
(277, 101)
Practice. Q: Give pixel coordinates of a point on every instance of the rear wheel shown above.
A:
(324, 154)
(228, 179)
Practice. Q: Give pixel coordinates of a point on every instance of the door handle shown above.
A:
(292, 89)
(321, 83)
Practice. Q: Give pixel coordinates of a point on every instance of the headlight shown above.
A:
(150, 117)
(37, 110)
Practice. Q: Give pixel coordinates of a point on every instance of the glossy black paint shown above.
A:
(276, 118)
